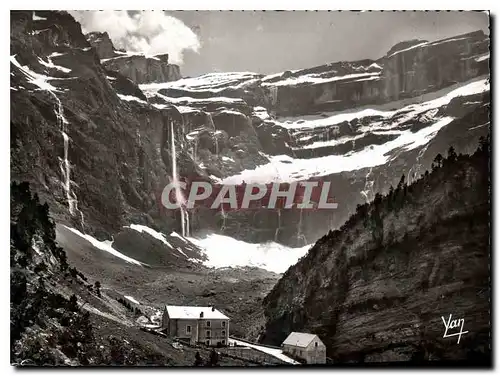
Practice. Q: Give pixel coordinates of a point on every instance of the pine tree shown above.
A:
(390, 198)
(484, 143)
(438, 160)
(391, 192)
(401, 182)
(452, 155)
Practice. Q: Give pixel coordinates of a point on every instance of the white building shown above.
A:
(205, 325)
(305, 346)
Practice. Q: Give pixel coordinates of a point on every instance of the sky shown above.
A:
(271, 41)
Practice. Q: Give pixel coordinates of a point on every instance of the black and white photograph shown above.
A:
(279, 189)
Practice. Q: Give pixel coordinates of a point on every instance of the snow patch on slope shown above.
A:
(129, 98)
(155, 234)
(34, 78)
(277, 353)
(38, 18)
(131, 299)
(483, 57)
(174, 234)
(317, 79)
(105, 245)
(50, 64)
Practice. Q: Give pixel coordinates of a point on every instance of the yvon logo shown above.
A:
(453, 324)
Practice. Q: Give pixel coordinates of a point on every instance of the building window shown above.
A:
(223, 324)
(208, 333)
(223, 333)
(223, 341)
(188, 329)
(207, 342)
(316, 344)
(208, 324)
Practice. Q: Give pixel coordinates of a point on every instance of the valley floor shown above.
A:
(236, 291)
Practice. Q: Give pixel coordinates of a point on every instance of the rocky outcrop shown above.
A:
(141, 69)
(375, 289)
(114, 151)
(102, 44)
(138, 68)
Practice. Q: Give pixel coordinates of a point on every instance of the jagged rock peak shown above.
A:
(102, 43)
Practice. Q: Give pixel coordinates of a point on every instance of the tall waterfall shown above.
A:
(300, 235)
(64, 163)
(279, 226)
(181, 201)
(415, 169)
(62, 124)
(368, 192)
(224, 217)
(211, 124)
(195, 150)
(210, 120)
(274, 95)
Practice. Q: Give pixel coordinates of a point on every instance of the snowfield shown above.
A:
(213, 82)
(224, 251)
(283, 168)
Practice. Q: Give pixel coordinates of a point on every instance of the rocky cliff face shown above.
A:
(406, 71)
(84, 150)
(102, 44)
(139, 68)
(95, 140)
(376, 289)
(334, 122)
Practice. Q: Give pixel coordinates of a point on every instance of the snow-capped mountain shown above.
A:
(98, 133)
(91, 129)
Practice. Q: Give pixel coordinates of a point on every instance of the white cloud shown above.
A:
(148, 32)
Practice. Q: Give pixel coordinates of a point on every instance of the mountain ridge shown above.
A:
(119, 135)
(374, 290)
